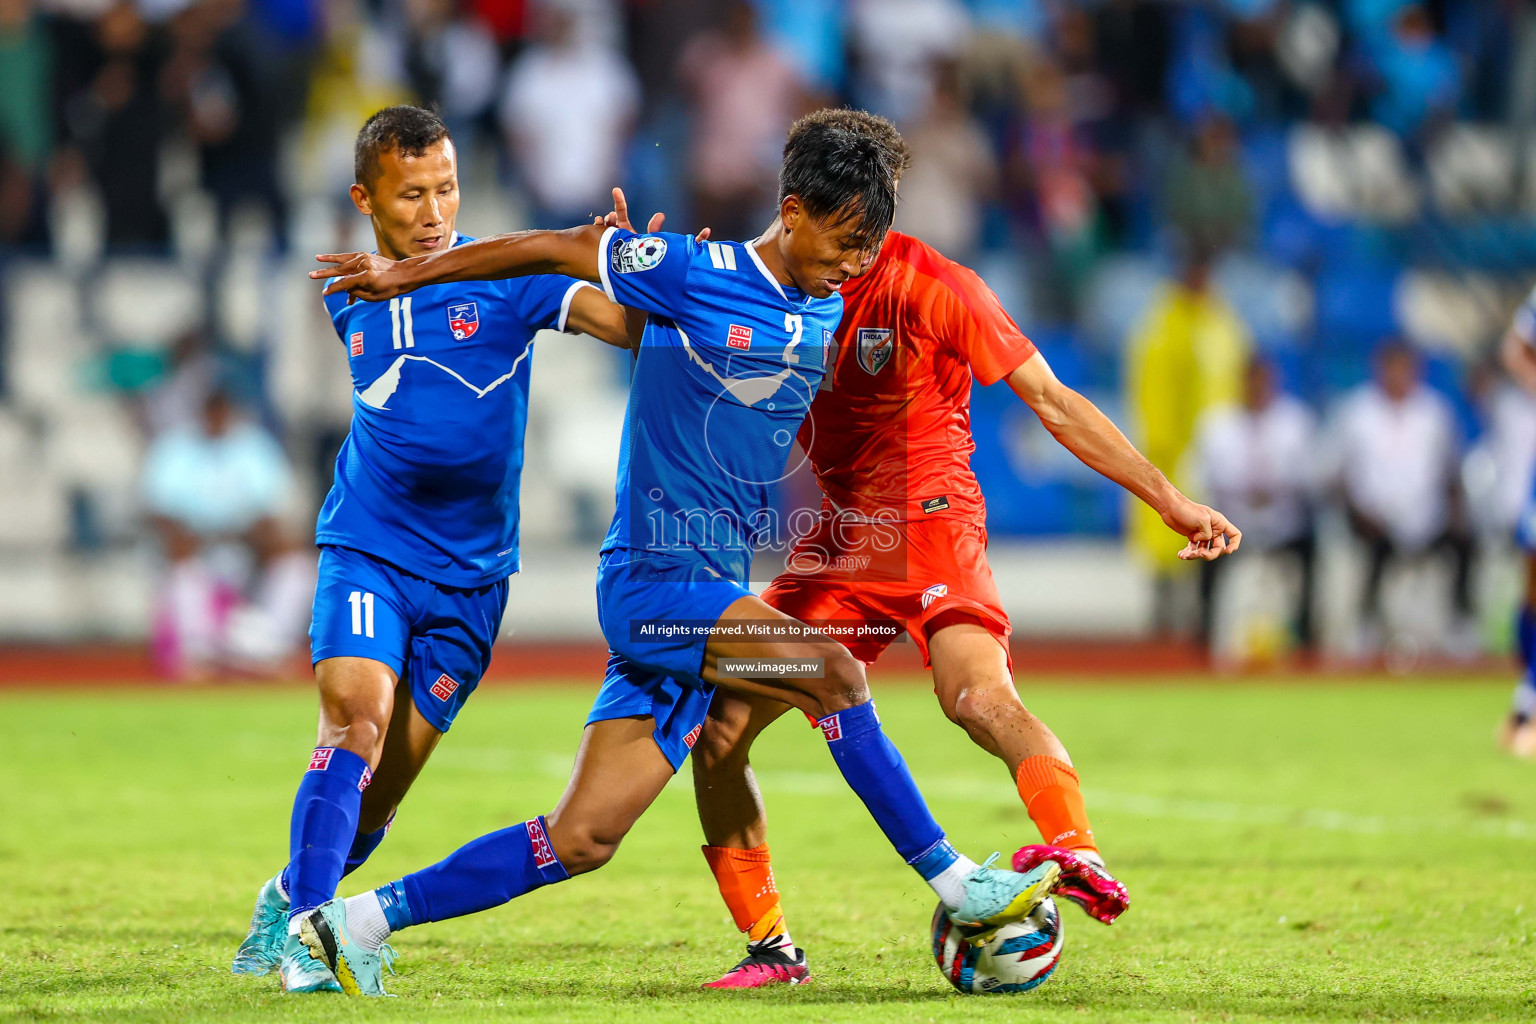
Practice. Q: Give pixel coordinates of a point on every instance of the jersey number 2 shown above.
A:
(795, 326)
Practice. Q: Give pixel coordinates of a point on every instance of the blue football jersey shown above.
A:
(726, 372)
(428, 477)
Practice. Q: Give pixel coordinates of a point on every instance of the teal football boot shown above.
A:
(263, 945)
(358, 969)
(300, 970)
(995, 897)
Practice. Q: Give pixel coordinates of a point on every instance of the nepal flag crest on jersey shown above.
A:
(463, 320)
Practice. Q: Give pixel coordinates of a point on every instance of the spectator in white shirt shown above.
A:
(1398, 471)
(1259, 460)
(566, 115)
(216, 491)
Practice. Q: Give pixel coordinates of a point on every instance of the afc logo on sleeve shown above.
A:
(444, 687)
(463, 320)
(543, 853)
(636, 254)
(739, 336)
(357, 343)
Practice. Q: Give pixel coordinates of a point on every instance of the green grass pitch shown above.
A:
(1294, 850)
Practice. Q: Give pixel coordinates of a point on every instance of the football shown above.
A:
(1018, 958)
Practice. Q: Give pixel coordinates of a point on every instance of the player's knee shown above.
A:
(581, 847)
(841, 686)
(354, 722)
(979, 708)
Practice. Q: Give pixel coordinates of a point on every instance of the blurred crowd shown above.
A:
(1277, 239)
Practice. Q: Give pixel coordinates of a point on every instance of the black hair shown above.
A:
(408, 130)
(845, 163)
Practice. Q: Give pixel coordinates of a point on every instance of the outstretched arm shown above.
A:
(373, 278)
(1087, 433)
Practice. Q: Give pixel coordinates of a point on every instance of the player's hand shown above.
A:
(618, 217)
(362, 275)
(1207, 531)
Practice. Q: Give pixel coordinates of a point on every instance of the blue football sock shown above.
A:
(363, 845)
(477, 876)
(873, 767)
(324, 822)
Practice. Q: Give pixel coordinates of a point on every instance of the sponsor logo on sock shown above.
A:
(1068, 834)
(693, 736)
(444, 687)
(363, 782)
(831, 728)
(320, 760)
(543, 853)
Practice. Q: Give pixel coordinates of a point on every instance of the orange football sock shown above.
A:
(746, 884)
(1055, 803)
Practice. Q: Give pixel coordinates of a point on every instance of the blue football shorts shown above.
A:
(436, 637)
(657, 673)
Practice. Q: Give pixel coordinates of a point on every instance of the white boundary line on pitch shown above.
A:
(1146, 806)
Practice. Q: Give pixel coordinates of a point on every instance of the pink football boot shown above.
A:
(1083, 880)
(766, 965)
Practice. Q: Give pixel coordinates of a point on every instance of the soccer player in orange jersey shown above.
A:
(902, 537)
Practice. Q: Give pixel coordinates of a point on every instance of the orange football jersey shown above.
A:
(890, 432)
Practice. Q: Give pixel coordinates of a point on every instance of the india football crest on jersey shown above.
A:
(875, 348)
(463, 320)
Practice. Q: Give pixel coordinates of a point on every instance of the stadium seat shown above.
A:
(146, 303)
(244, 304)
(1472, 171)
(34, 507)
(1358, 172)
(46, 346)
(95, 448)
(1451, 314)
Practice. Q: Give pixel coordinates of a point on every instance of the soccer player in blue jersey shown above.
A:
(419, 532)
(1518, 734)
(732, 354)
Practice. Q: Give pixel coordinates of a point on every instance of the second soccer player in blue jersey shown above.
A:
(731, 357)
(419, 532)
